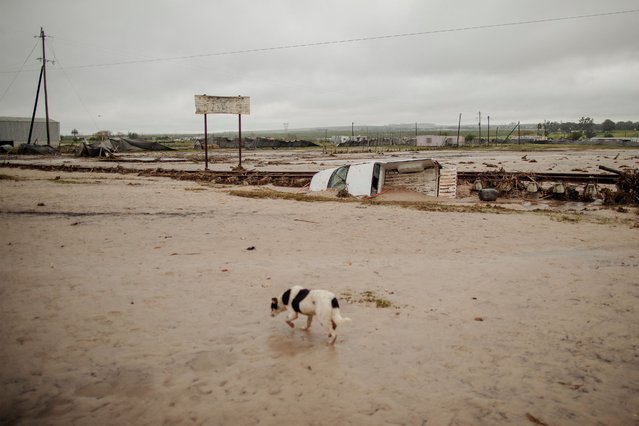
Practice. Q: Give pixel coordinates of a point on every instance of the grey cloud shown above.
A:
(555, 70)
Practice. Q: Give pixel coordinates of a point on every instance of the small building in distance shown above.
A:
(15, 131)
(439, 140)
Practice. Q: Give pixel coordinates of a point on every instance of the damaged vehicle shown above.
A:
(422, 175)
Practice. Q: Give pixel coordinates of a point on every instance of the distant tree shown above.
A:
(625, 125)
(608, 126)
(574, 136)
(551, 127)
(75, 132)
(469, 137)
(132, 135)
(587, 126)
(567, 127)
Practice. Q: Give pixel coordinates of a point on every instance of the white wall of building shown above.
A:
(439, 140)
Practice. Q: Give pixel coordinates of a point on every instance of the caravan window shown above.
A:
(338, 178)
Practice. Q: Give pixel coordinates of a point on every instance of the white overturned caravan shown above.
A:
(370, 178)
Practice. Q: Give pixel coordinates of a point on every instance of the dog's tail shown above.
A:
(336, 315)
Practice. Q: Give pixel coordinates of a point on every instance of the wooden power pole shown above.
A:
(43, 78)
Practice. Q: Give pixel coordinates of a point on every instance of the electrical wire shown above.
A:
(57, 61)
(355, 40)
(18, 73)
(351, 40)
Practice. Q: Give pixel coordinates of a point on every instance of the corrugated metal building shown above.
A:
(15, 130)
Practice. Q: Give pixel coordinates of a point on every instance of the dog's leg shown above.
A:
(329, 326)
(309, 320)
(332, 336)
(292, 316)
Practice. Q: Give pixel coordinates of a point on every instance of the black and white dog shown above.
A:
(321, 303)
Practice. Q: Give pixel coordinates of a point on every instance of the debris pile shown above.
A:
(523, 185)
(111, 146)
(231, 178)
(33, 149)
(627, 189)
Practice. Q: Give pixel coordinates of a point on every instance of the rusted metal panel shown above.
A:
(222, 104)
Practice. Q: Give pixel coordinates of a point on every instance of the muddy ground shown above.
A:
(136, 300)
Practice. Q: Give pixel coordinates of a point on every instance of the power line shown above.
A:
(74, 89)
(18, 73)
(356, 40)
(351, 40)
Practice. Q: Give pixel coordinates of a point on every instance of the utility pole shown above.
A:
(518, 132)
(488, 139)
(352, 131)
(458, 129)
(43, 77)
(480, 127)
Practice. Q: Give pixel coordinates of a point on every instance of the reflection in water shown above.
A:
(294, 342)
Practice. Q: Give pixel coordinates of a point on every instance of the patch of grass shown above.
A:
(68, 182)
(272, 194)
(570, 218)
(7, 177)
(441, 207)
(367, 297)
(427, 206)
(417, 205)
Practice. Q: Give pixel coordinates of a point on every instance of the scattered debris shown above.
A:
(524, 185)
(489, 194)
(109, 147)
(573, 386)
(304, 220)
(627, 189)
(33, 149)
(535, 420)
(343, 193)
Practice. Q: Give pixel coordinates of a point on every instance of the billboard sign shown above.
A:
(222, 104)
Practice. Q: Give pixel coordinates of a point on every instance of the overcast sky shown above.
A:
(121, 66)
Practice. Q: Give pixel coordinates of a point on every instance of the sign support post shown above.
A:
(239, 139)
(222, 105)
(206, 145)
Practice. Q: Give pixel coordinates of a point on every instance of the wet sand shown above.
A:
(134, 300)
